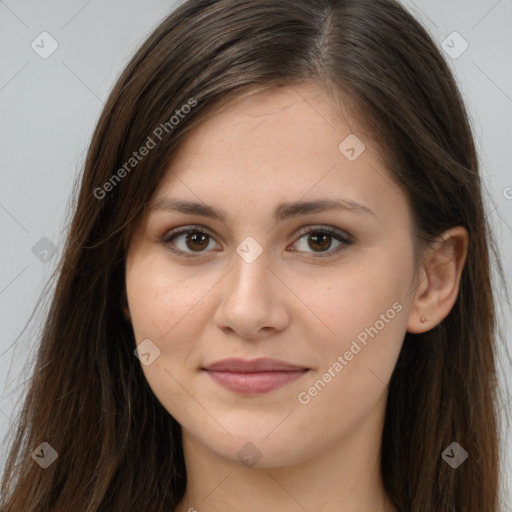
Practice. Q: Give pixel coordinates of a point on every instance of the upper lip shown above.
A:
(263, 364)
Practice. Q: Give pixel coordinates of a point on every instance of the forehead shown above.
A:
(292, 134)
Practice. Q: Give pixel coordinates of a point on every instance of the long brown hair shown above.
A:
(118, 448)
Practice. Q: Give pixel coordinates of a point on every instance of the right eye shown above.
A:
(187, 240)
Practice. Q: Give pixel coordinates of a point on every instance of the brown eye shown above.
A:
(320, 240)
(197, 240)
(187, 241)
(192, 242)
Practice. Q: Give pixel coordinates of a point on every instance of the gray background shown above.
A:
(48, 108)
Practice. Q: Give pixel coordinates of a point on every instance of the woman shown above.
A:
(275, 293)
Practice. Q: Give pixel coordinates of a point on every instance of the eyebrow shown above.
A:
(282, 212)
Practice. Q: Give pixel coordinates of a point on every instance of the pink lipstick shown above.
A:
(255, 376)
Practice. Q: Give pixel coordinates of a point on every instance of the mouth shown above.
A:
(250, 377)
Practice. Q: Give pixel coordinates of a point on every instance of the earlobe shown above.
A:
(438, 286)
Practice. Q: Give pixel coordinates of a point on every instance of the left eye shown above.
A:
(186, 241)
(322, 239)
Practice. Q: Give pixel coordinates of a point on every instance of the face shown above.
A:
(277, 322)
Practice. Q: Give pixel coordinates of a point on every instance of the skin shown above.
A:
(304, 306)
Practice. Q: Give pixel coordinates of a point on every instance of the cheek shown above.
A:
(365, 307)
(369, 292)
(166, 308)
(356, 365)
(163, 300)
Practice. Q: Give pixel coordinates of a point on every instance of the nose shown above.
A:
(252, 300)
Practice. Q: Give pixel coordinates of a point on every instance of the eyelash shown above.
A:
(171, 236)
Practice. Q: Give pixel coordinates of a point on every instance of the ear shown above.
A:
(438, 281)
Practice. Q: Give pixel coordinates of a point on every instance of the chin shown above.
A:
(257, 446)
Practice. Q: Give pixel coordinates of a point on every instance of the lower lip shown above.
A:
(254, 383)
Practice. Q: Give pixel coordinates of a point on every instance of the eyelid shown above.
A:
(342, 236)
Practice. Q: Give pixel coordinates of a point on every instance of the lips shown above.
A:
(253, 376)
